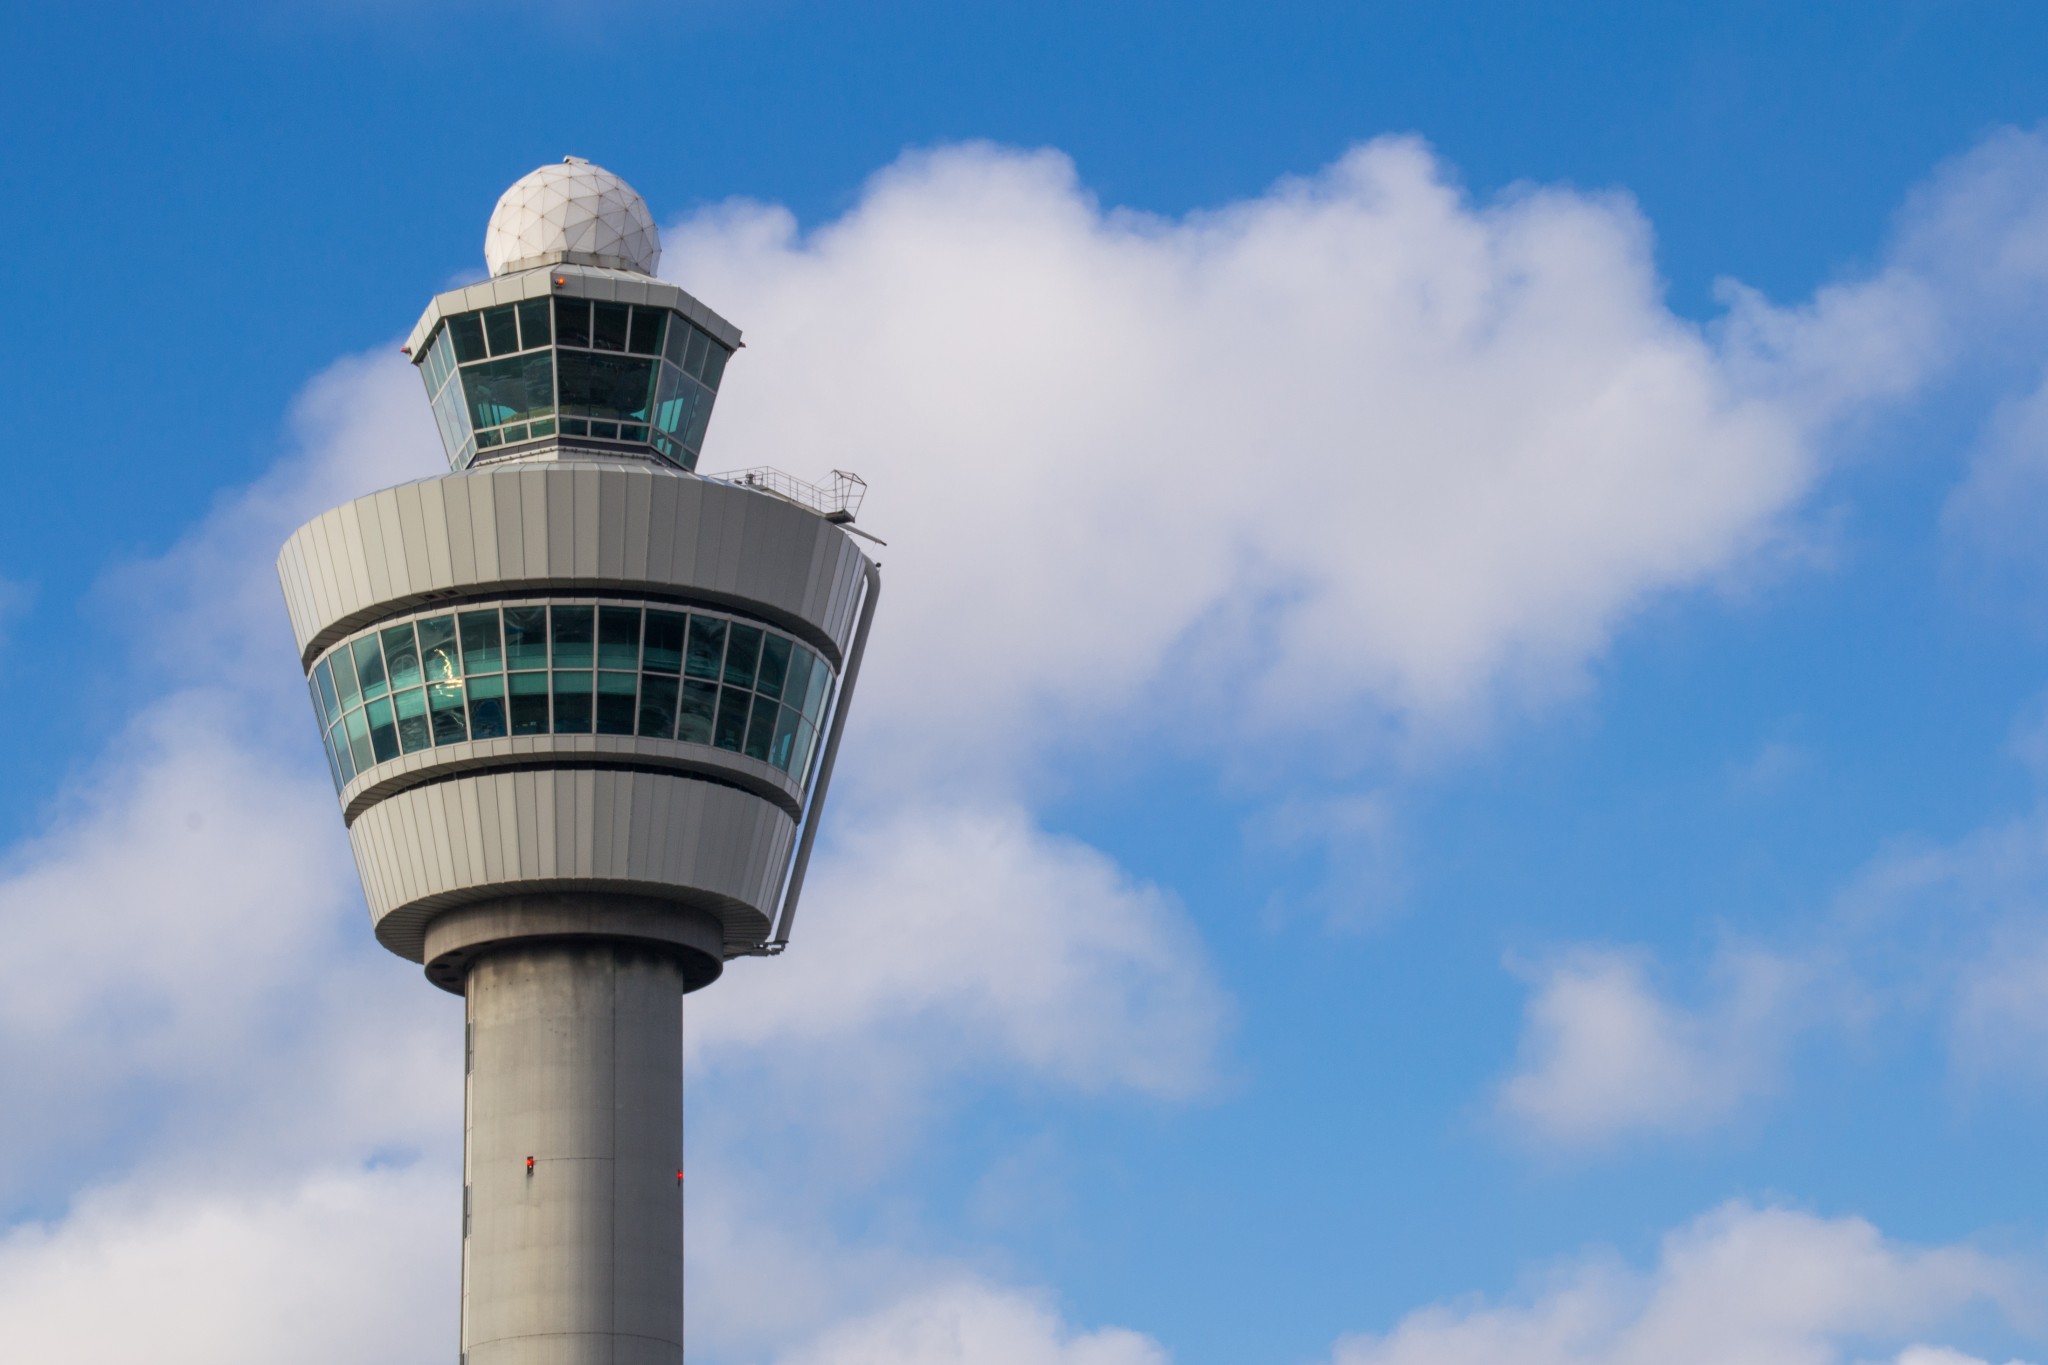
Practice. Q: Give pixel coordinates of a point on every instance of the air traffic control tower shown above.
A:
(581, 705)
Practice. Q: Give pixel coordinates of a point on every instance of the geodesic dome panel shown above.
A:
(572, 211)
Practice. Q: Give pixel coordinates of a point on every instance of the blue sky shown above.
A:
(1498, 814)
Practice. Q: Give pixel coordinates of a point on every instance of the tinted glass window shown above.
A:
(402, 656)
(501, 329)
(438, 659)
(774, 666)
(616, 703)
(731, 727)
(468, 332)
(533, 324)
(714, 365)
(487, 708)
(608, 326)
(413, 732)
(383, 732)
(572, 703)
(695, 713)
(323, 677)
(529, 703)
(444, 701)
(480, 652)
(573, 632)
(779, 751)
(646, 335)
(526, 637)
(618, 637)
(607, 669)
(675, 401)
(761, 730)
(664, 642)
(572, 322)
(657, 707)
(345, 677)
(370, 667)
(510, 390)
(605, 386)
(358, 731)
(707, 647)
(741, 656)
(678, 342)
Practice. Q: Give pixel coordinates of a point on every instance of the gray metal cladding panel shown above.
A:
(471, 838)
(569, 525)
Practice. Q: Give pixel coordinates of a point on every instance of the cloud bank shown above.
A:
(1352, 461)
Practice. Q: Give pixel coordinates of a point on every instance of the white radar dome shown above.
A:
(573, 212)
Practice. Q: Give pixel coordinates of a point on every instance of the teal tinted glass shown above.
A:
(333, 763)
(707, 647)
(674, 401)
(510, 390)
(572, 322)
(608, 326)
(383, 733)
(444, 701)
(814, 697)
(645, 338)
(774, 666)
(700, 419)
(480, 650)
(337, 744)
(528, 703)
(501, 329)
(618, 637)
(323, 679)
(677, 344)
(370, 667)
(693, 359)
(603, 386)
(761, 729)
(402, 656)
(533, 324)
(345, 677)
(714, 366)
(730, 729)
(487, 719)
(438, 659)
(572, 703)
(786, 721)
(574, 632)
(358, 731)
(413, 732)
(664, 642)
(657, 706)
(468, 332)
(800, 756)
(526, 637)
(616, 702)
(742, 655)
(696, 712)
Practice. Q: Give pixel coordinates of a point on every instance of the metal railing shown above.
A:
(838, 501)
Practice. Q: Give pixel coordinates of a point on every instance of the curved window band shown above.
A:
(569, 668)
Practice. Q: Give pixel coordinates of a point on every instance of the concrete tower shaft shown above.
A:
(581, 707)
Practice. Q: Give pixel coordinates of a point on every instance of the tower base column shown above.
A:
(572, 1154)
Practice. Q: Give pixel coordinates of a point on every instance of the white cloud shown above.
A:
(1351, 455)
(1037, 951)
(1740, 1286)
(1605, 1056)
(971, 1323)
(336, 1268)
(1356, 447)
